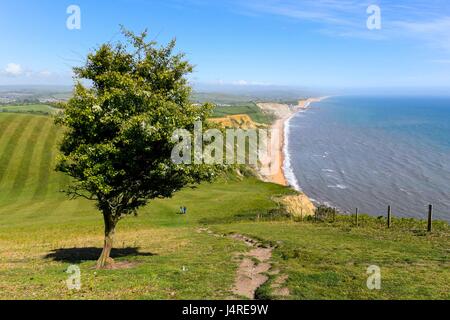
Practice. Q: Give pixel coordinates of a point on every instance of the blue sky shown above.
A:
(310, 43)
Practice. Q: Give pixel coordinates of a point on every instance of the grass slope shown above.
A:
(250, 109)
(42, 233)
(28, 108)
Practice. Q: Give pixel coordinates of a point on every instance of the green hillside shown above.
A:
(251, 109)
(28, 108)
(170, 256)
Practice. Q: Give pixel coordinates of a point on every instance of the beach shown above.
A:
(283, 113)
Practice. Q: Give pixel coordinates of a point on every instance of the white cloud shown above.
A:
(45, 73)
(13, 70)
(427, 22)
(249, 83)
(15, 73)
(241, 83)
(337, 13)
(435, 33)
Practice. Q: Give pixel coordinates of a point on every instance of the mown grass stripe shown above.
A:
(45, 167)
(36, 160)
(64, 181)
(5, 123)
(46, 208)
(7, 154)
(23, 172)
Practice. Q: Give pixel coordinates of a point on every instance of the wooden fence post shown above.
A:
(389, 216)
(430, 218)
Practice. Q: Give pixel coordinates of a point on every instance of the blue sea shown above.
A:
(371, 152)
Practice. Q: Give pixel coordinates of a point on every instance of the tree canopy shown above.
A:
(128, 100)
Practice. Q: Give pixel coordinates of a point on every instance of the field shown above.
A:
(167, 256)
(250, 109)
(220, 98)
(28, 108)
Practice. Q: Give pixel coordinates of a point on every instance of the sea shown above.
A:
(370, 152)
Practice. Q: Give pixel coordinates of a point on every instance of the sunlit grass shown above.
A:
(42, 233)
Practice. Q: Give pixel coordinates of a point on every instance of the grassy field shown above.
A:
(220, 98)
(28, 108)
(250, 109)
(329, 261)
(42, 234)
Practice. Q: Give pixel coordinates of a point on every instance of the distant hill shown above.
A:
(34, 94)
(231, 94)
(221, 95)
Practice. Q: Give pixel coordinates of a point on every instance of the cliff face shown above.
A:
(298, 206)
(241, 121)
(279, 110)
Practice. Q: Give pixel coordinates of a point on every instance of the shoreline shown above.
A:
(284, 114)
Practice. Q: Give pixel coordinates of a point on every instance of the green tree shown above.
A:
(129, 98)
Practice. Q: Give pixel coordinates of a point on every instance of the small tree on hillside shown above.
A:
(118, 140)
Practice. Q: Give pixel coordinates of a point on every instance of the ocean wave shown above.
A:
(338, 186)
(374, 166)
(287, 165)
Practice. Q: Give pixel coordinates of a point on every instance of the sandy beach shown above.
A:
(283, 112)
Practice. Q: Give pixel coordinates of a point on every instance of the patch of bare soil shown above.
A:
(121, 265)
(254, 268)
(252, 271)
(278, 288)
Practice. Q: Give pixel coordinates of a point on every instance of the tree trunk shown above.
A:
(105, 260)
